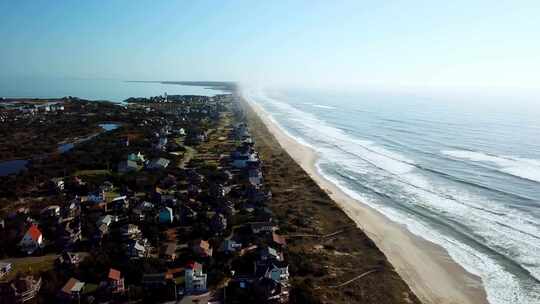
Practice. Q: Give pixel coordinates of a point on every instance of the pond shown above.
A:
(12, 166)
(63, 148)
(17, 165)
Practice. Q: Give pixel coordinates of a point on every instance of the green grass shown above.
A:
(31, 265)
(90, 288)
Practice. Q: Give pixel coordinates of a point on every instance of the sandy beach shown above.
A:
(426, 267)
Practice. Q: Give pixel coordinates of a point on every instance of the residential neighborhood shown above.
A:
(178, 213)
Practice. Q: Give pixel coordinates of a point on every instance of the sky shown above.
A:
(391, 43)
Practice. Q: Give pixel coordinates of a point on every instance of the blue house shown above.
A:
(166, 215)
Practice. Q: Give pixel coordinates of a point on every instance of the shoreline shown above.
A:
(426, 267)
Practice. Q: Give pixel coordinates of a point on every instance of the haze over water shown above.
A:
(93, 89)
(462, 173)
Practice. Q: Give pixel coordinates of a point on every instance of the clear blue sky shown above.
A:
(474, 43)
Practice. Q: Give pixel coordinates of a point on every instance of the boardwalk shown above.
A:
(356, 278)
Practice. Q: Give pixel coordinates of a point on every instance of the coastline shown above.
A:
(426, 267)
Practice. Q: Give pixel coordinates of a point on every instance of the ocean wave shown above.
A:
(502, 287)
(406, 184)
(525, 168)
(323, 106)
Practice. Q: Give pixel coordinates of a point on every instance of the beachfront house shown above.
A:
(255, 176)
(195, 278)
(32, 240)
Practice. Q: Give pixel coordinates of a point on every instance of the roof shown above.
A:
(34, 232)
(278, 239)
(171, 249)
(114, 274)
(160, 162)
(78, 287)
(203, 244)
(70, 285)
(194, 265)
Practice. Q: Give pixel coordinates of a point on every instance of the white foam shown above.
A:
(382, 168)
(323, 106)
(517, 166)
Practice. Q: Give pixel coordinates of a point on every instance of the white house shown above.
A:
(32, 240)
(195, 278)
(278, 272)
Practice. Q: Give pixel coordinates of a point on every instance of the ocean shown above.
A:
(93, 89)
(461, 172)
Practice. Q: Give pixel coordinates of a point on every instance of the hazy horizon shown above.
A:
(463, 44)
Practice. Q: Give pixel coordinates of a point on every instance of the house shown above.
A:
(255, 176)
(230, 246)
(130, 231)
(105, 220)
(273, 269)
(269, 291)
(170, 252)
(68, 259)
(256, 194)
(116, 281)
(202, 248)
(5, 268)
(71, 210)
(70, 233)
(262, 227)
(72, 289)
(161, 144)
(107, 186)
(50, 211)
(57, 184)
(119, 203)
(195, 278)
(96, 197)
(166, 215)
(127, 166)
(136, 249)
(136, 157)
(278, 240)
(158, 164)
(32, 240)
(19, 290)
(269, 254)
